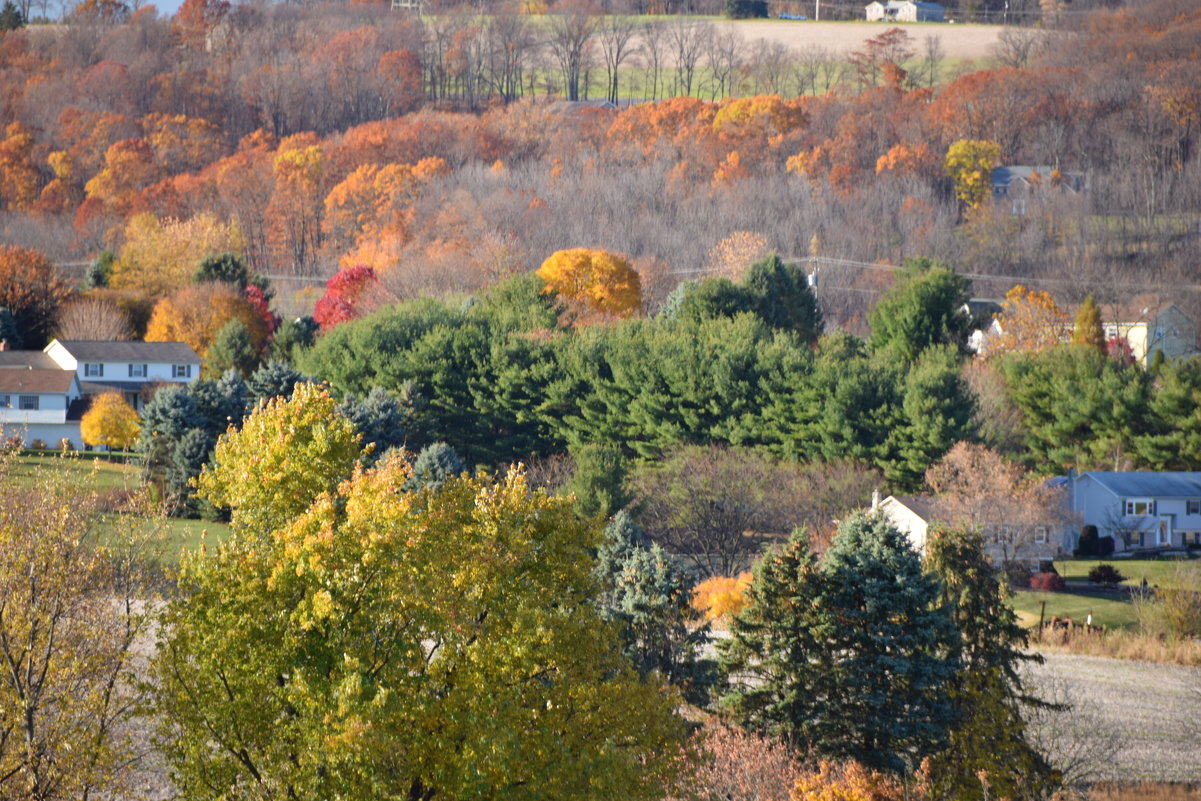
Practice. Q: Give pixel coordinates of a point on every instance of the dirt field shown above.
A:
(958, 41)
(1132, 721)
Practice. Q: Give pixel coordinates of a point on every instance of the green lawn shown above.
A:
(1157, 572)
(100, 475)
(95, 473)
(1105, 611)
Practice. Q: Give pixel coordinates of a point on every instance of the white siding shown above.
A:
(51, 434)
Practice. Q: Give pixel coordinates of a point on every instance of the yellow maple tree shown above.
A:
(597, 280)
(111, 422)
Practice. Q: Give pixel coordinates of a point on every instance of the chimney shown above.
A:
(875, 499)
(3, 344)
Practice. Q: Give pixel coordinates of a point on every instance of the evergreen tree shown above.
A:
(236, 396)
(100, 271)
(9, 331)
(231, 350)
(1088, 330)
(707, 299)
(648, 595)
(925, 308)
(227, 268)
(189, 455)
(598, 482)
(293, 334)
(849, 657)
(988, 695)
(434, 466)
(382, 420)
(938, 408)
(274, 379)
(11, 17)
(782, 297)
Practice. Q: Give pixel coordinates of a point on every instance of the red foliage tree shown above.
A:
(347, 295)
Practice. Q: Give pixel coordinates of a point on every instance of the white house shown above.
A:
(1018, 183)
(1005, 540)
(1140, 510)
(904, 11)
(44, 393)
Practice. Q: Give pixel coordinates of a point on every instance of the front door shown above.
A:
(1164, 538)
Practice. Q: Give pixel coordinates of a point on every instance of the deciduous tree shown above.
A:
(970, 163)
(352, 639)
(110, 422)
(32, 290)
(197, 313)
(595, 280)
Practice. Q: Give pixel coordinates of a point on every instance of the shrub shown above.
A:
(1105, 544)
(1018, 575)
(1048, 582)
(38, 445)
(721, 596)
(65, 444)
(746, 9)
(1088, 541)
(1107, 575)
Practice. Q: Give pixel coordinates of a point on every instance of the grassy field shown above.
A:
(103, 476)
(1107, 612)
(1157, 572)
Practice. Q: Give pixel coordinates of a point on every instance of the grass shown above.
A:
(88, 472)
(1108, 612)
(1157, 572)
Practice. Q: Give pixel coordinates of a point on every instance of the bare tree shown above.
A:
(928, 68)
(571, 29)
(1015, 47)
(687, 40)
(770, 67)
(1069, 729)
(617, 42)
(654, 46)
(93, 318)
(509, 40)
(725, 58)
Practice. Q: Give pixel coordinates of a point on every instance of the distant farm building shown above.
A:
(905, 11)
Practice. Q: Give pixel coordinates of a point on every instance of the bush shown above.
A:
(746, 9)
(1107, 575)
(721, 596)
(1088, 542)
(1048, 582)
(1017, 574)
(65, 444)
(1105, 544)
(38, 445)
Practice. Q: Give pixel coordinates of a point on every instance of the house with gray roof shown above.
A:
(904, 11)
(1140, 510)
(44, 394)
(1017, 184)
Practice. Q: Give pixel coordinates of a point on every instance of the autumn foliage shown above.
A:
(197, 313)
(721, 596)
(594, 280)
(110, 422)
(350, 293)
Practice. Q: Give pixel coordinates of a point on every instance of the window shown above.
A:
(1140, 506)
(93, 371)
(1041, 533)
(137, 371)
(181, 371)
(30, 402)
(1192, 507)
(5, 402)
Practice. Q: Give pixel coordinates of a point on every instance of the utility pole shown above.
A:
(817, 10)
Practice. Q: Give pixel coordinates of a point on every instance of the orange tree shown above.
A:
(196, 313)
(595, 280)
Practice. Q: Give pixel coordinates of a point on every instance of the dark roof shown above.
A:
(921, 505)
(35, 381)
(1148, 484)
(25, 359)
(85, 350)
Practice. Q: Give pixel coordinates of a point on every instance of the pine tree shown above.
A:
(646, 593)
(849, 657)
(434, 465)
(274, 379)
(8, 330)
(1088, 330)
(988, 695)
(231, 350)
(783, 298)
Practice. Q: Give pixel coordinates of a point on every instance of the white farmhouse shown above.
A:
(44, 393)
(904, 11)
